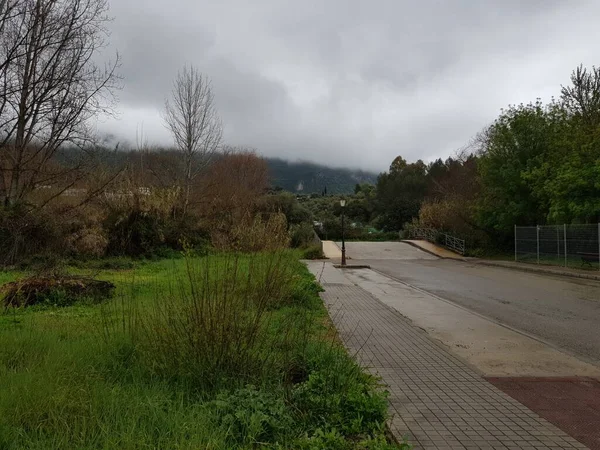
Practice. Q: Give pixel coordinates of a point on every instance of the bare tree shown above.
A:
(7, 8)
(141, 145)
(50, 88)
(192, 118)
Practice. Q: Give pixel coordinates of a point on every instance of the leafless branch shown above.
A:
(192, 118)
(51, 87)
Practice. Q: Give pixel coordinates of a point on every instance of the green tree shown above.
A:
(287, 204)
(400, 193)
(517, 143)
(361, 206)
(541, 163)
(568, 178)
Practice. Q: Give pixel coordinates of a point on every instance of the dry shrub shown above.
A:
(232, 187)
(452, 216)
(83, 231)
(61, 290)
(255, 234)
(447, 214)
(127, 195)
(88, 242)
(227, 200)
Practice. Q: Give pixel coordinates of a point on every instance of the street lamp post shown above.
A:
(343, 205)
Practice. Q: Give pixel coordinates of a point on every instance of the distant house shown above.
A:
(74, 192)
(141, 190)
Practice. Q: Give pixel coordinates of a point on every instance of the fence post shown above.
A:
(538, 243)
(565, 236)
(515, 243)
(557, 245)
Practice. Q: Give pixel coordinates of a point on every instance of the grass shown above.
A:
(218, 352)
(573, 261)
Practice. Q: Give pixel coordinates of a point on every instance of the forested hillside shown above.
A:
(296, 177)
(309, 178)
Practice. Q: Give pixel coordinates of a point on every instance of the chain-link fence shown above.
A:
(576, 246)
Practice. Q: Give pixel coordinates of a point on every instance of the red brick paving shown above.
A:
(571, 404)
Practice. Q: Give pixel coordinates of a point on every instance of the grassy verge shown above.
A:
(573, 262)
(219, 352)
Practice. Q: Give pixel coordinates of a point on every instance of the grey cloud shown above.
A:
(349, 82)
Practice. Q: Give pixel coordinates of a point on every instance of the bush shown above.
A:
(302, 235)
(89, 242)
(313, 252)
(344, 395)
(207, 330)
(149, 233)
(134, 232)
(255, 234)
(332, 228)
(25, 233)
(440, 238)
(287, 204)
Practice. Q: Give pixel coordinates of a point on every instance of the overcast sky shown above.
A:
(350, 83)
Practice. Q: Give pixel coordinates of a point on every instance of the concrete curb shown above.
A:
(351, 266)
(532, 269)
(412, 244)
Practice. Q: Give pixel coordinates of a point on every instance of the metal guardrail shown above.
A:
(436, 237)
(454, 243)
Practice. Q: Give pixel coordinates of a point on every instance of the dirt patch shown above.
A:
(572, 404)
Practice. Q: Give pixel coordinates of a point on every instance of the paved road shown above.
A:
(562, 311)
(435, 399)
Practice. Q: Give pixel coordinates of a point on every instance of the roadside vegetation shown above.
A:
(223, 351)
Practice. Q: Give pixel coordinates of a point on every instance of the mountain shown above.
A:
(310, 178)
(296, 177)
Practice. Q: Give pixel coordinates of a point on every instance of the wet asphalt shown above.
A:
(565, 312)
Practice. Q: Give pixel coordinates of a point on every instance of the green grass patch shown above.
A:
(216, 352)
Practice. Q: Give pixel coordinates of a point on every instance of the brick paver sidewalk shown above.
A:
(436, 400)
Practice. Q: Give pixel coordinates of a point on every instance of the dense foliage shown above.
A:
(541, 162)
